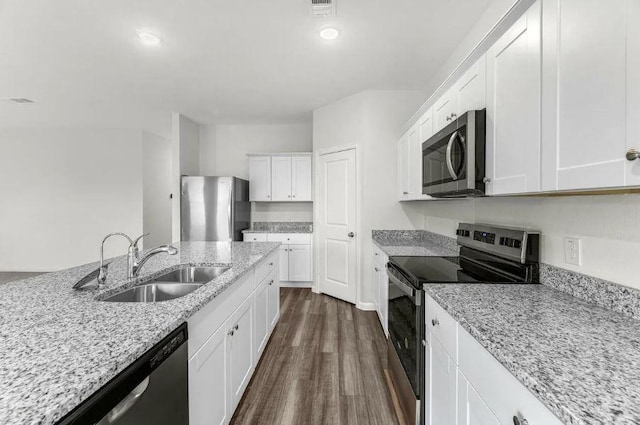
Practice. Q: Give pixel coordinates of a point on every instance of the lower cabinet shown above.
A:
(209, 395)
(381, 287)
(221, 367)
(296, 255)
(466, 385)
(440, 387)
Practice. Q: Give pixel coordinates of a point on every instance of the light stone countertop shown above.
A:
(58, 346)
(414, 243)
(580, 360)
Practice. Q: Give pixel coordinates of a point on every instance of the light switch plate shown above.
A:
(572, 251)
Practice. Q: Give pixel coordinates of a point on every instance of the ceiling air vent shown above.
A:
(323, 8)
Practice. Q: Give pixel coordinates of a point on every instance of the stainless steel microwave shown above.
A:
(453, 160)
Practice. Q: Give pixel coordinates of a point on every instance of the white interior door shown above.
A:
(337, 225)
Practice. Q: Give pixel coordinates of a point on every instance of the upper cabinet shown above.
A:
(280, 177)
(260, 178)
(410, 159)
(591, 96)
(513, 108)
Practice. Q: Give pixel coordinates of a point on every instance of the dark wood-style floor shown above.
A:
(325, 364)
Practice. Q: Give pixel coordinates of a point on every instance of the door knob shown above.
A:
(633, 154)
(351, 234)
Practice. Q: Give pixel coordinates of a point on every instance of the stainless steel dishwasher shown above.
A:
(153, 390)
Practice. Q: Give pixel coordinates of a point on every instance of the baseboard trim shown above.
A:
(296, 284)
(366, 306)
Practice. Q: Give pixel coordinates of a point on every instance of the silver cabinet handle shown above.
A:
(405, 193)
(236, 327)
(448, 118)
(633, 154)
(453, 116)
(271, 264)
(486, 180)
(351, 234)
(231, 332)
(271, 283)
(435, 322)
(376, 269)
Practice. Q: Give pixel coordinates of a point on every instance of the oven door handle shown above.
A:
(449, 158)
(410, 291)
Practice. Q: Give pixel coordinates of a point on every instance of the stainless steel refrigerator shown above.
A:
(214, 208)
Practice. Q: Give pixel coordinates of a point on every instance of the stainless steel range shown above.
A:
(488, 254)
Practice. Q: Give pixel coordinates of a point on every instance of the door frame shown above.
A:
(358, 227)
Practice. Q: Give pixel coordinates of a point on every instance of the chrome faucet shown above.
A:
(135, 263)
(102, 271)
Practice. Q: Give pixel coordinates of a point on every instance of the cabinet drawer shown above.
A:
(264, 269)
(205, 322)
(442, 326)
(290, 238)
(255, 237)
(500, 390)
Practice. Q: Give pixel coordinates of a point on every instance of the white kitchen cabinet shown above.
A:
(513, 108)
(260, 178)
(590, 94)
(209, 389)
(381, 287)
(240, 350)
(440, 386)
(299, 263)
(281, 178)
(261, 318)
(445, 109)
(284, 262)
(470, 89)
(402, 155)
(301, 176)
(273, 305)
(472, 410)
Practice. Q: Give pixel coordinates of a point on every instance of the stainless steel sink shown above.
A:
(169, 286)
(153, 292)
(192, 274)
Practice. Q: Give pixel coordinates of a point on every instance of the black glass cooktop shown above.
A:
(419, 270)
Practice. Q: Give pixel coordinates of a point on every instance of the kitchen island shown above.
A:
(58, 345)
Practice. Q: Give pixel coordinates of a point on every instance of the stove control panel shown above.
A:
(519, 245)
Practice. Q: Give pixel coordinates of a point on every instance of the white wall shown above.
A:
(371, 120)
(63, 191)
(156, 181)
(224, 149)
(185, 153)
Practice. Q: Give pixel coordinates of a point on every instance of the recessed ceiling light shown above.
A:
(329, 33)
(149, 38)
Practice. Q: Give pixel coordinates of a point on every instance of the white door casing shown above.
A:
(337, 241)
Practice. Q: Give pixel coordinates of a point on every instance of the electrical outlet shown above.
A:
(572, 251)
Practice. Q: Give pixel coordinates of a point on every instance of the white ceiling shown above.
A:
(220, 61)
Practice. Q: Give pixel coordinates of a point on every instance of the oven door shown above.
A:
(444, 160)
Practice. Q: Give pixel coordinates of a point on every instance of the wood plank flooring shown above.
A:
(325, 364)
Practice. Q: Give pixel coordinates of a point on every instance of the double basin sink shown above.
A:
(171, 285)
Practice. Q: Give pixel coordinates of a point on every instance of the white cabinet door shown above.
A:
(471, 88)
(261, 319)
(260, 178)
(301, 178)
(441, 385)
(445, 110)
(415, 163)
(209, 392)
(403, 168)
(284, 262)
(274, 300)
(375, 278)
(513, 108)
(300, 263)
(382, 284)
(587, 81)
(281, 178)
(425, 131)
(472, 410)
(240, 350)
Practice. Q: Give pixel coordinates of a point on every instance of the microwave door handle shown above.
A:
(449, 159)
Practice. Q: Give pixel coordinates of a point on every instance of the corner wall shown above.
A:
(185, 153)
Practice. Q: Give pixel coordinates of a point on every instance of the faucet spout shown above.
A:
(137, 263)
